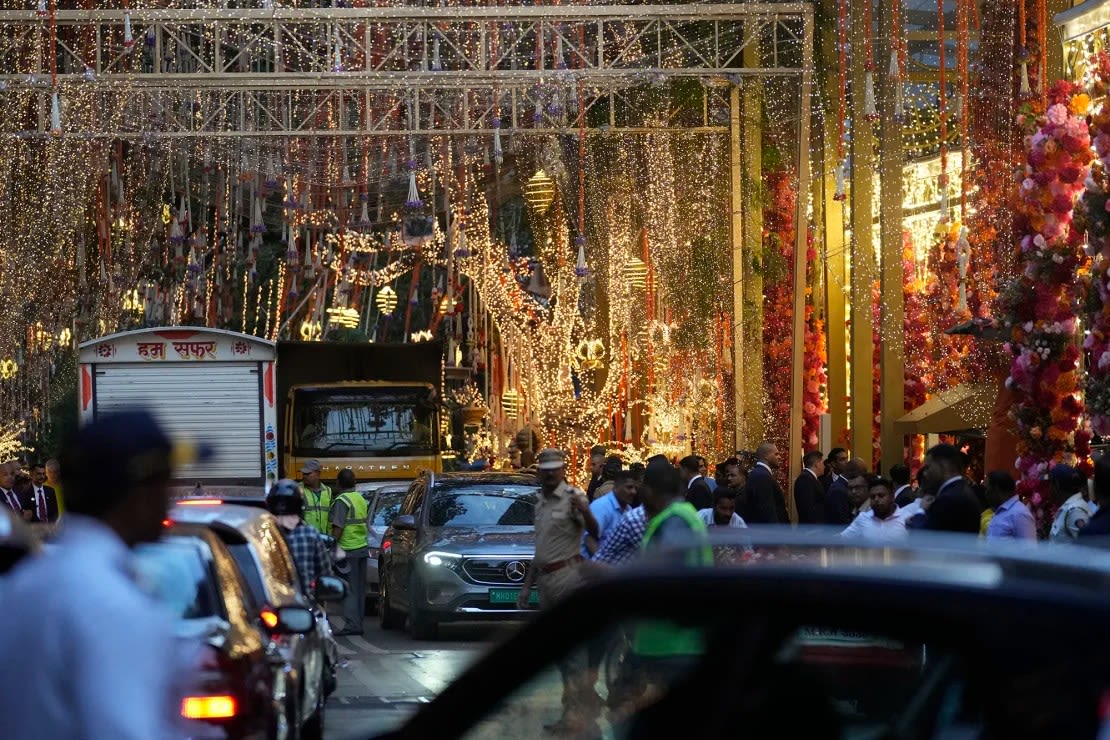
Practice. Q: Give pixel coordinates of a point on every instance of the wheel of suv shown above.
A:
(421, 624)
(388, 617)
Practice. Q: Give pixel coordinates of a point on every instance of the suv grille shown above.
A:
(493, 570)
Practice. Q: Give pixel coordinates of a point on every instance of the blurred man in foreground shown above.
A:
(95, 653)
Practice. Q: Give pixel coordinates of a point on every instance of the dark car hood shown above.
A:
(481, 540)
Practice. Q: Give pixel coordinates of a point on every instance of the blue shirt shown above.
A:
(96, 655)
(710, 482)
(1012, 520)
(607, 511)
(623, 543)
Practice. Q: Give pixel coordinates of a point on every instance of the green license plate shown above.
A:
(509, 595)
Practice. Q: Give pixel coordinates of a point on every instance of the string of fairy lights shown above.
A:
(292, 236)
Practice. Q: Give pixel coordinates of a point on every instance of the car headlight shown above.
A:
(437, 559)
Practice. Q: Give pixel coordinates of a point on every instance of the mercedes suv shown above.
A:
(457, 551)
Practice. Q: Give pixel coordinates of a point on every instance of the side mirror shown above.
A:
(405, 521)
(288, 620)
(330, 588)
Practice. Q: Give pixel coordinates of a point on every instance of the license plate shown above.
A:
(509, 596)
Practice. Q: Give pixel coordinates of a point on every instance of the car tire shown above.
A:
(314, 728)
(421, 625)
(388, 618)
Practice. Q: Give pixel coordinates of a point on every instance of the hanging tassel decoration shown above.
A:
(1025, 89)
(437, 64)
(55, 114)
(537, 114)
(498, 151)
(413, 200)
(895, 75)
(128, 39)
(870, 112)
(40, 9)
(258, 226)
(957, 105)
(461, 250)
(338, 63)
(580, 268)
(963, 257)
(364, 217)
(841, 177)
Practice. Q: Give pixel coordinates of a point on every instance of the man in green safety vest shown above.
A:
(662, 650)
(317, 497)
(349, 514)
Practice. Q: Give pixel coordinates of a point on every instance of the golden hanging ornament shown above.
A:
(539, 192)
(635, 272)
(386, 300)
(511, 403)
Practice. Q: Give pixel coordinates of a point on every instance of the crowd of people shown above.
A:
(838, 490)
(31, 490)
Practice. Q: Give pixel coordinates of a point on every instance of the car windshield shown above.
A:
(493, 504)
(353, 422)
(386, 508)
(176, 571)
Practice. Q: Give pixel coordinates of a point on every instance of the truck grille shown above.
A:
(493, 570)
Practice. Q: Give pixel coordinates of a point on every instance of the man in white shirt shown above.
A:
(883, 522)
(723, 513)
(95, 653)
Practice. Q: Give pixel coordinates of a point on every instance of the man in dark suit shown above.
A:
(956, 508)
(697, 490)
(597, 466)
(8, 495)
(839, 507)
(1097, 531)
(834, 466)
(809, 493)
(39, 498)
(766, 504)
(904, 494)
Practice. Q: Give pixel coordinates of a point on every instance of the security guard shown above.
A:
(349, 514)
(317, 497)
(562, 514)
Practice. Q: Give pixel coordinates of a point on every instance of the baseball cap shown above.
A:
(311, 466)
(551, 459)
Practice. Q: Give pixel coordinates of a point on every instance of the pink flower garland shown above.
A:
(1095, 214)
(1039, 305)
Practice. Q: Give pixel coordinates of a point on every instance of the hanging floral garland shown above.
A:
(916, 350)
(778, 304)
(814, 364)
(1096, 218)
(1038, 307)
(949, 353)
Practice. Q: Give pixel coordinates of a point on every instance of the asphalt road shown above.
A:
(388, 675)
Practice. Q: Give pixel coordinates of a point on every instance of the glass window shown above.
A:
(853, 684)
(176, 571)
(355, 422)
(386, 508)
(244, 558)
(481, 506)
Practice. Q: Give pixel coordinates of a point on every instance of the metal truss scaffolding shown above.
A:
(282, 72)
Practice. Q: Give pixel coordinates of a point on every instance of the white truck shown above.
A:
(203, 385)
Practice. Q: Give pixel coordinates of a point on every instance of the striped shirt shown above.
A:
(623, 543)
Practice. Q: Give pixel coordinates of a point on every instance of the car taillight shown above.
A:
(223, 706)
(269, 618)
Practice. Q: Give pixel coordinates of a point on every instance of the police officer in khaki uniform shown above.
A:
(562, 514)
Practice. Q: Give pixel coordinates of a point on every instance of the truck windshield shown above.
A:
(364, 421)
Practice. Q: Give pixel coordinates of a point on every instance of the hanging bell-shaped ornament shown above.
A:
(364, 216)
(1025, 90)
(413, 200)
(128, 38)
(498, 151)
(580, 268)
(437, 64)
(870, 111)
(894, 72)
(55, 114)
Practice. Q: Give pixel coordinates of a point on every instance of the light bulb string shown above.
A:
(942, 101)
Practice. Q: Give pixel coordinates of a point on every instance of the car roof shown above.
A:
(952, 588)
(247, 519)
(516, 479)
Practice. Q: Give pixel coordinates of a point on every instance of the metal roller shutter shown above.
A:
(215, 403)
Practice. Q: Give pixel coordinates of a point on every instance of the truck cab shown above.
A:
(381, 430)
